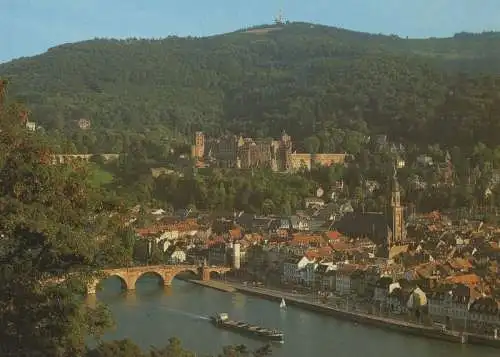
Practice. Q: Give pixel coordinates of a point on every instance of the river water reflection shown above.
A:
(152, 314)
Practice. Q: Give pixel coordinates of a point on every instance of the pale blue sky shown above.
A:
(30, 27)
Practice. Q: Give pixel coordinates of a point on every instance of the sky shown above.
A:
(30, 27)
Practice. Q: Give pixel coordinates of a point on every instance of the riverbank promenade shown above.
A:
(307, 302)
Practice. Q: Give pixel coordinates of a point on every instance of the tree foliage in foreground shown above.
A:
(127, 348)
(49, 219)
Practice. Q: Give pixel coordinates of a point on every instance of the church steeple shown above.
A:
(396, 194)
(398, 226)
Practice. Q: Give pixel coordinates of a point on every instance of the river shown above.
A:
(151, 314)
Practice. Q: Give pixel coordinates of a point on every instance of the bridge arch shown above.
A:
(169, 277)
(94, 286)
(151, 272)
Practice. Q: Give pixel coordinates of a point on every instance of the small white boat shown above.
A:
(282, 304)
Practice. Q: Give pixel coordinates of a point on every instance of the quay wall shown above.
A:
(212, 284)
(483, 340)
(365, 319)
(376, 321)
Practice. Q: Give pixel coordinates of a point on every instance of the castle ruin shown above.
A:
(231, 151)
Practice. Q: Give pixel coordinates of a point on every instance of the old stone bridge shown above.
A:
(167, 273)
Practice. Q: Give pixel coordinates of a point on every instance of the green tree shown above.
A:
(243, 351)
(267, 206)
(312, 144)
(120, 348)
(414, 91)
(127, 348)
(286, 208)
(128, 238)
(173, 349)
(114, 253)
(157, 256)
(45, 217)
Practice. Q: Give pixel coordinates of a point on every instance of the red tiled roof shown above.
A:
(333, 235)
(322, 252)
(185, 226)
(144, 232)
(460, 263)
(466, 279)
(235, 233)
(340, 246)
(218, 240)
(325, 251)
(301, 239)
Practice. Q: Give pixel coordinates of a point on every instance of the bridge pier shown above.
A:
(167, 279)
(91, 290)
(92, 287)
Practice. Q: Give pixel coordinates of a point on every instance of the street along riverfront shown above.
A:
(150, 315)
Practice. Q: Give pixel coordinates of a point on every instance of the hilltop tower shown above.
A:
(279, 19)
(398, 224)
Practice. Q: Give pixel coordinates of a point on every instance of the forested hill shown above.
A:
(307, 79)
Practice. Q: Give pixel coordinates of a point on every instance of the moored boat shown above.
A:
(222, 320)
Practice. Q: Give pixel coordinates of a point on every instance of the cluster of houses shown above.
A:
(450, 271)
(446, 270)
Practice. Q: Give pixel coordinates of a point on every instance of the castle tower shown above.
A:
(199, 145)
(398, 225)
(285, 138)
(285, 151)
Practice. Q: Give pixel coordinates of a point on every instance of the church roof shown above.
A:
(375, 226)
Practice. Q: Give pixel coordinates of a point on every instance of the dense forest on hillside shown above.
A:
(307, 79)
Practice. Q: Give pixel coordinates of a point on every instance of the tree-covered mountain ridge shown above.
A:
(461, 46)
(304, 78)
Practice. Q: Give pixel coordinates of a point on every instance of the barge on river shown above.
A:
(221, 320)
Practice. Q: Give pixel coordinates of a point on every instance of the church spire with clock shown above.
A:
(398, 224)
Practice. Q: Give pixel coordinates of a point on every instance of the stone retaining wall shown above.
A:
(372, 320)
